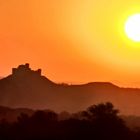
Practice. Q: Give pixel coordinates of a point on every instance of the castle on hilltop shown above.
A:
(25, 70)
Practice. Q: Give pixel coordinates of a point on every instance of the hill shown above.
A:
(27, 88)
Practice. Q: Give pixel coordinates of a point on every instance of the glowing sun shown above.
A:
(132, 27)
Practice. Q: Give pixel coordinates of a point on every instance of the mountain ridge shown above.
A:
(26, 88)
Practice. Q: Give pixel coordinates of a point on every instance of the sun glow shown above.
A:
(132, 27)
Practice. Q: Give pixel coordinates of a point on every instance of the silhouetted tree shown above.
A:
(42, 116)
(106, 122)
(101, 111)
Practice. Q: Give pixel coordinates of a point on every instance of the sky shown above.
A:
(74, 41)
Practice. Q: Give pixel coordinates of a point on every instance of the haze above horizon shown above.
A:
(72, 41)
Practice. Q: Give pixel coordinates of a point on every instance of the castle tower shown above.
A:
(39, 71)
(27, 65)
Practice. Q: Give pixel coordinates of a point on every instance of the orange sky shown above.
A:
(71, 40)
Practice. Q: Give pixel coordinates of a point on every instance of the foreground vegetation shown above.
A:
(98, 122)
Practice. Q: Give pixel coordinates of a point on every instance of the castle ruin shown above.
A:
(25, 70)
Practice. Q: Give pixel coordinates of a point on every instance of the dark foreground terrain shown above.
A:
(98, 122)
